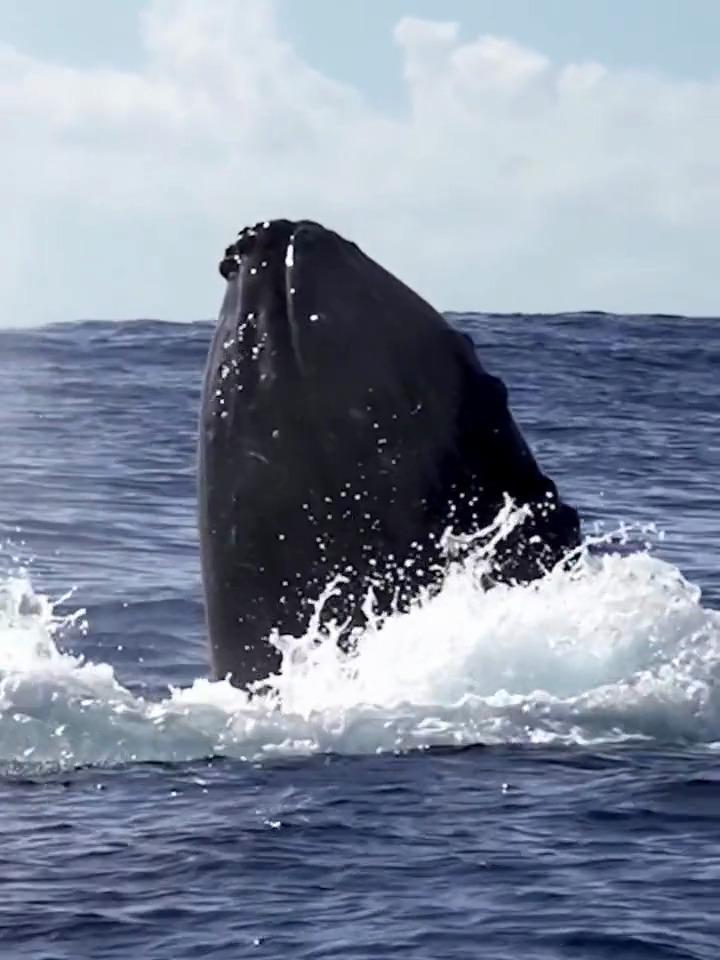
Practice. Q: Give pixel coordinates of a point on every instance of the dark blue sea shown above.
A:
(529, 772)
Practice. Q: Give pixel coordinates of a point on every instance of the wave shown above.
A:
(618, 648)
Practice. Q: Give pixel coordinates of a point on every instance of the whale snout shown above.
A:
(269, 238)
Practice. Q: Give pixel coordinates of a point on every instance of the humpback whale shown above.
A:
(344, 426)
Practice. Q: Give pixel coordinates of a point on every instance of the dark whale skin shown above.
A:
(344, 425)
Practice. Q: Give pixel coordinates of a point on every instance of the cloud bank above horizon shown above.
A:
(507, 183)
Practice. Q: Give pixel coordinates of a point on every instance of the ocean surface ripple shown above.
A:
(528, 771)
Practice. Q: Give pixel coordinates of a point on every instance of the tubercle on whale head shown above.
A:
(266, 237)
(261, 234)
(230, 264)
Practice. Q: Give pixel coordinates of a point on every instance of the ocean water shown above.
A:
(527, 772)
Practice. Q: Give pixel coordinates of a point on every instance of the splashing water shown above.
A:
(616, 648)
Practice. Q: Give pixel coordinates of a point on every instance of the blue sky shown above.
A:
(514, 155)
(678, 37)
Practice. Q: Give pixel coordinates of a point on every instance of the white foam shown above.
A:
(618, 648)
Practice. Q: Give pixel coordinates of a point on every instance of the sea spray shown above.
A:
(616, 647)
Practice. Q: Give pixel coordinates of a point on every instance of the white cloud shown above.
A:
(510, 182)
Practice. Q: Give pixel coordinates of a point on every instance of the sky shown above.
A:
(499, 155)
